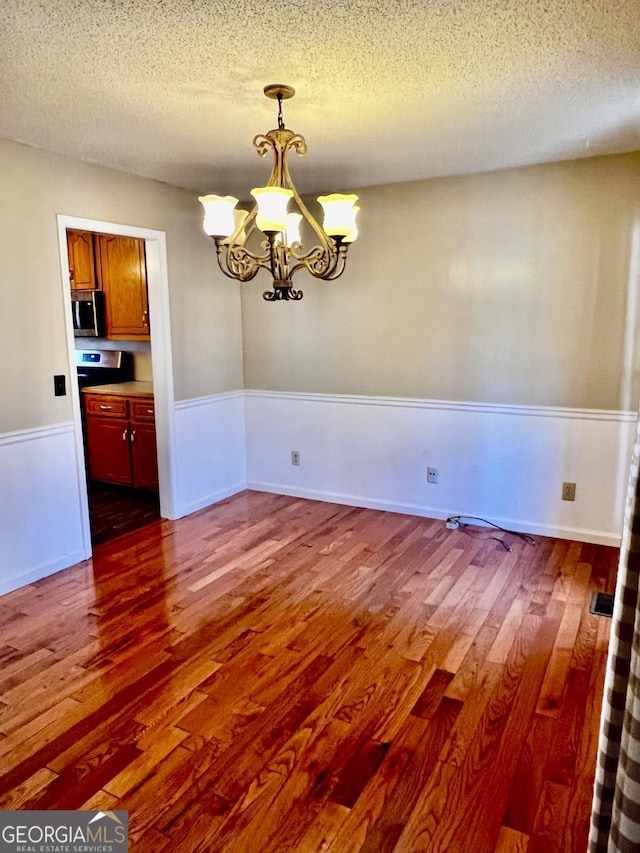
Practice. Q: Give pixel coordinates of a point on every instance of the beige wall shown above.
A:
(518, 286)
(525, 290)
(205, 307)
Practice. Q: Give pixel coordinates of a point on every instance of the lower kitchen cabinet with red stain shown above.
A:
(120, 434)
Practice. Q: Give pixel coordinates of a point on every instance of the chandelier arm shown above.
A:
(257, 263)
(238, 275)
(340, 265)
(233, 275)
(326, 243)
(313, 260)
(338, 270)
(238, 259)
(317, 266)
(222, 254)
(321, 264)
(239, 263)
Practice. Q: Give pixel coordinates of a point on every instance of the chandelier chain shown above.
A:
(280, 116)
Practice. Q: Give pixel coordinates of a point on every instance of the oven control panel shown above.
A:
(98, 358)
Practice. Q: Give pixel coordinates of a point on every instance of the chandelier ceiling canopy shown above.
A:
(283, 252)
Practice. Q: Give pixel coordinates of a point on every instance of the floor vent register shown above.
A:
(601, 604)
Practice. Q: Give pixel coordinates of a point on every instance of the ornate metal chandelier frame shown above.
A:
(324, 261)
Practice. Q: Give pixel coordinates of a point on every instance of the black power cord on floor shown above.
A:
(457, 519)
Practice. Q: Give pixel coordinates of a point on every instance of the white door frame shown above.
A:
(161, 358)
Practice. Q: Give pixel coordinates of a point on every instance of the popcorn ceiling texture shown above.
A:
(387, 90)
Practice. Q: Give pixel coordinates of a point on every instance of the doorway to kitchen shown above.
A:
(116, 394)
(110, 508)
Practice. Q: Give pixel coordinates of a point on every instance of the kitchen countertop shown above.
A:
(125, 389)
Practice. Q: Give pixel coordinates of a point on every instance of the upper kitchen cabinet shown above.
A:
(123, 276)
(82, 262)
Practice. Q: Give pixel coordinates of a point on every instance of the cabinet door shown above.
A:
(82, 265)
(124, 281)
(108, 451)
(144, 456)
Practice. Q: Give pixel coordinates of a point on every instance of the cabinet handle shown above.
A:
(71, 275)
(149, 411)
(124, 434)
(105, 408)
(133, 435)
(145, 316)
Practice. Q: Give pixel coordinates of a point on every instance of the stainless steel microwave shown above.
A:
(87, 308)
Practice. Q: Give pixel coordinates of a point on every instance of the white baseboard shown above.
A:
(213, 498)
(42, 571)
(518, 526)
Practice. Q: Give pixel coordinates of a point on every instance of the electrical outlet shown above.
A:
(568, 491)
(295, 457)
(432, 475)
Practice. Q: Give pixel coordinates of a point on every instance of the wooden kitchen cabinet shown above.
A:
(144, 453)
(123, 275)
(121, 440)
(82, 261)
(109, 455)
(116, 265)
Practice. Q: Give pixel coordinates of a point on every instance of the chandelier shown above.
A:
(283, 252)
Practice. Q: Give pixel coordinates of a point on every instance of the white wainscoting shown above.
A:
(40, 511)
(503, 463)
(210, 447)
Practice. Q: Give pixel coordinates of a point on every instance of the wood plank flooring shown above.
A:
(274, 674)
(114, 510)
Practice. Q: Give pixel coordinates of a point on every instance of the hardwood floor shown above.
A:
(274, 674)
(114, 510)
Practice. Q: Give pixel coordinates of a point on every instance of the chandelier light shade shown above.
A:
(339, 214)
(272, 208)
(218, 214)
(282, 253)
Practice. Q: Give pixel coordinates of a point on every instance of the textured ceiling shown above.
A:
(387, 90)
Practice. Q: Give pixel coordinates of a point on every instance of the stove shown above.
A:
(102, 367)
